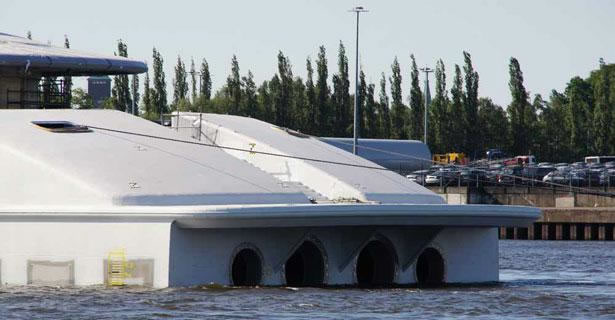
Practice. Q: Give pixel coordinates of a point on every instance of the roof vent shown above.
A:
(292, 132)
(61, 126)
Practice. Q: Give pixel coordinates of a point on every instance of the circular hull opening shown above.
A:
(247, 268)
(306, 267)
(430, 268)
(375, 265)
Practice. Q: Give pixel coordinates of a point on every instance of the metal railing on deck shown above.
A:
(49, 95)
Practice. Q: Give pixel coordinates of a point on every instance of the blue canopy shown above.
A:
(47, 60)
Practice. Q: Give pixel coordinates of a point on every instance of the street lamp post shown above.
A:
(427, 70)
(358, 11)
(201, 105)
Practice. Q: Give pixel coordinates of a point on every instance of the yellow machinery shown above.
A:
(450, 158)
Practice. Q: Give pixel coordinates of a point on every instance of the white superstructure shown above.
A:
(126, 202)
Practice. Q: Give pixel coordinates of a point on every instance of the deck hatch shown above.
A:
(61, 126)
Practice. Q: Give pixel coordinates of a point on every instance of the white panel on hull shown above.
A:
(51, 273)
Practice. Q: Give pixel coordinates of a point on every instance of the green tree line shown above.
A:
(566, 127)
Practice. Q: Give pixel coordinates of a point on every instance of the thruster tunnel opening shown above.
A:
(247, 268)
(430, 268)
(306, 267)
(376, 265)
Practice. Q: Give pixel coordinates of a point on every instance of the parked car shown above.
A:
(595, 166)
(556, 177)
(418, 176)
(536, 173)
(510, 176)
(607, 178)
(521, 160)
(496, 166)
(610, 164)
(472, 176)
(491, 176)
(562, 166)
(576, 178)
(495, 154)
(441, 177)
(592, 176)
(433, 178)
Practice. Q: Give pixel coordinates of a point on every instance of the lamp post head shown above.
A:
(358, 9)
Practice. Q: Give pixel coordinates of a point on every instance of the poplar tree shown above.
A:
(193, 80)
(205, 89)
(135, 94)
(283, 98)
(579, 116)
(300, 106)
(265, 101)
(384, 115)
(274, 88)
(250, 101)
(603, 112)
(159, 92)
(519, 129)
(369, 107)
(531, 121)
(553, 122)
(399, 113)
(439, 117)
(493, 125)
(457, 131)
(363, 128)
(322, 94)
(147, 98)
(180, 85)
(470, 104)
(310, 90)
(417, 106)
(233, 87)
(121, 86)
(341, 95)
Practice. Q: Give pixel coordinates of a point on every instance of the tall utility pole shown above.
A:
(427, 70)
(355, 143)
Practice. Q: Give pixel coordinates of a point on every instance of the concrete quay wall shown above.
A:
(526, 196)
(567, 224)
(565, 215)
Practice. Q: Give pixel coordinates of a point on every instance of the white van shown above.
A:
(599, 159)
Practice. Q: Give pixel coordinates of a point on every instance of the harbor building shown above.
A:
(99, 88)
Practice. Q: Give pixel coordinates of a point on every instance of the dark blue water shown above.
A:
(539, 279)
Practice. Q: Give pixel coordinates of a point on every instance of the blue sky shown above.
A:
(552, 39)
